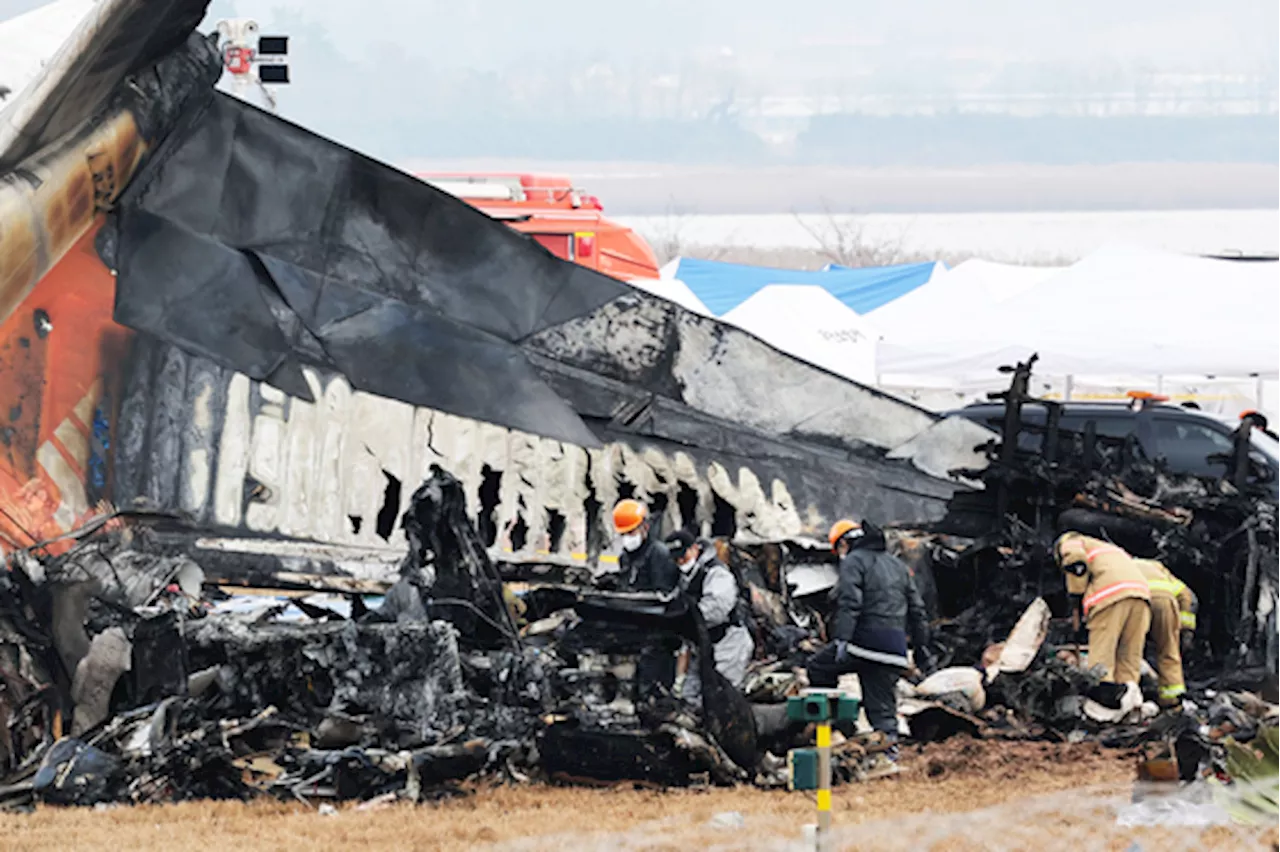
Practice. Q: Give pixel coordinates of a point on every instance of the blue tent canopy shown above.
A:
(724, 286)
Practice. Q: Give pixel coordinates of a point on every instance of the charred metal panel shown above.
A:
(205, 399)
(296, 290)
(22, 370)
(237, 454)
(54, 191)
(293, 250)
(68, 145)
(265, 248)
(60, 357)
(47, 204)
(115, 38)
(661, 348)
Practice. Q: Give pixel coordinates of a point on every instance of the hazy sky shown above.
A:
(400, 79)
(491, 33)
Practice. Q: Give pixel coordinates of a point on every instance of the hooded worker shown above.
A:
(876, 602)
(1258, 421)
(713, 589)
(1115, 599)
(646, 566)
(1173, 621)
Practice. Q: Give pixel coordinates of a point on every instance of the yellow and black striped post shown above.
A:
(824, 786)
(810, 768)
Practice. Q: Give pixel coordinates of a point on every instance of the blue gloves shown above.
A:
(842, 650)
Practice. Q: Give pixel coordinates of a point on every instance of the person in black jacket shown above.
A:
(646, 566)
(645, 563)
(876, 601)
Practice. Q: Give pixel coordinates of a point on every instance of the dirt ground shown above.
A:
(956, 795)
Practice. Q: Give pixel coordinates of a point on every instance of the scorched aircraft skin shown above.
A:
(298, 332)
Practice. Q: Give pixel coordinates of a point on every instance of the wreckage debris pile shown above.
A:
(990, 559)
(1014, 665)
(123, 684)
(128, 675)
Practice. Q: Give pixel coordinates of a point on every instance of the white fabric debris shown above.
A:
(1024, 640)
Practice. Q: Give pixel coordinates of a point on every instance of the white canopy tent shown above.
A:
(973, 285)
(1121, 318)
(673, 290)
(808, 322)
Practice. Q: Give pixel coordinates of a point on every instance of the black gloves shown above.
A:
(925, 661)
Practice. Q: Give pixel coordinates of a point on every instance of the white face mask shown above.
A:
(632, 541)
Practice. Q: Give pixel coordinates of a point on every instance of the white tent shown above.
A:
(673, 290)
(806, 321)
(972, 286)
(1126, 311)
(1121, 317)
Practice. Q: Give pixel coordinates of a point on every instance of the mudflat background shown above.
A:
(653, 189)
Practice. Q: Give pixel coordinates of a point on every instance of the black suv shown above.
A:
(1190, 441)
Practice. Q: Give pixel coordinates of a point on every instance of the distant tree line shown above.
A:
(398, 107)
(843, 140)
(967, 140)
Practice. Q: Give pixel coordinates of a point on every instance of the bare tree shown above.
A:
(702, 251)
(844, 240)
(669, 240)
(666, 237)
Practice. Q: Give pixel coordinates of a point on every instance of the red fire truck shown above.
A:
(563, 219)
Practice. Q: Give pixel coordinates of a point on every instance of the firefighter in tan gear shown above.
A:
(1173, 621)
(1116, 603)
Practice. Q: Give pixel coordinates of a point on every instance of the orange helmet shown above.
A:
(628, 515)
(840, 529)
(1255, 418)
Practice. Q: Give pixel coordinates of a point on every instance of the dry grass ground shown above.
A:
(951, 796)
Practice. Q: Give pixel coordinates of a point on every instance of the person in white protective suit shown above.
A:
(711, 586)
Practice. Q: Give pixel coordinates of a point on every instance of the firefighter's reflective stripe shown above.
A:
(1089, 555)
(1111, 591)
(1172, 588)
(1172, 691)
(1187, 620)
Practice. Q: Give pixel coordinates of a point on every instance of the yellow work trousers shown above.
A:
(1116, 635)
(1166, 639)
